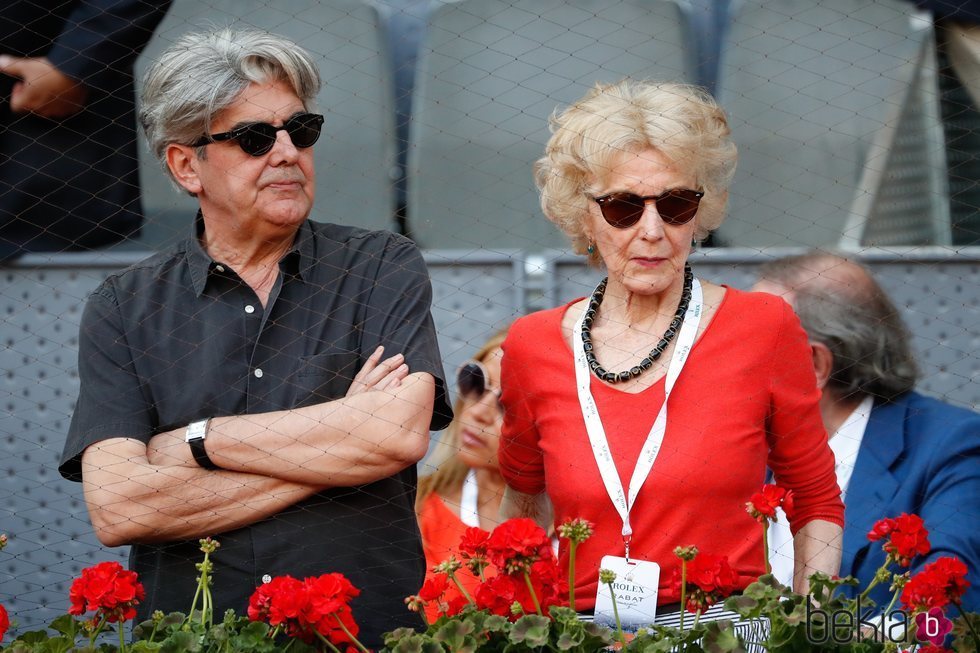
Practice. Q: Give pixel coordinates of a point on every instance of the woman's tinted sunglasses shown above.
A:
(257, 138)
(472, 381)
(676, 207)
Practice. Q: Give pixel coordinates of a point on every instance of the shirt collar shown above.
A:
(298, 260)
(846, 441)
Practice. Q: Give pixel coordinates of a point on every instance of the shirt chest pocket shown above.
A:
(323, 377)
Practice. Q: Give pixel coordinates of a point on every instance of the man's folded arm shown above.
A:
(131, 500)
(351, 441)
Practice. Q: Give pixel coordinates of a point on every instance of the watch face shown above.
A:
(196, 431)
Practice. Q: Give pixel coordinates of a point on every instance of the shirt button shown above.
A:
(266, 578)
(219, 268)
(249, 308)
(258, 373)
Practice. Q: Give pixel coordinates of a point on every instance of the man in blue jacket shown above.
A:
(897, 451)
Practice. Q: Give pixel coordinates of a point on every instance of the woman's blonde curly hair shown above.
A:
(682, 122)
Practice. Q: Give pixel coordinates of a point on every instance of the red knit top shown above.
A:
(746, 398)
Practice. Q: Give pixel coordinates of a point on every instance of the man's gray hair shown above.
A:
(203, 73)
(856, 320)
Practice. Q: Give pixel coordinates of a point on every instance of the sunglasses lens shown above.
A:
(304, 130)
(257, 139)
(621, 210)
(678, 207)
(470, 381)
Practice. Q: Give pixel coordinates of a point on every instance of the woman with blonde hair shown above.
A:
(466, 488)
(635, 174)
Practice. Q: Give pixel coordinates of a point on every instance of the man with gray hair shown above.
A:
(270, 380)
(897, 451)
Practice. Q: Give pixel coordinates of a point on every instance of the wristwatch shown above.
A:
(196, 433)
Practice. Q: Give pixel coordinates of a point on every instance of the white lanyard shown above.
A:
(469, 507)
(651, 448)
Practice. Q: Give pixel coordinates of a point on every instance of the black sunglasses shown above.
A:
(257, 138)
(472, 381)
(676, 207)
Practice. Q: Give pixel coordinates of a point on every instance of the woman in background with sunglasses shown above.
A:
(635, 174)
(466, 488)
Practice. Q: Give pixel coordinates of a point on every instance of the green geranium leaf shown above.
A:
(181, 642)
(67, 625)
(742, 604)
(569, 640)
(531, 629)
(720, 637)
(145, 646)
(39, 642)
(453, 634)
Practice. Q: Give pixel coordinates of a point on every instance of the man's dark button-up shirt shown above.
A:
(180, 337)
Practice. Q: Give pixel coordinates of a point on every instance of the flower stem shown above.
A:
(572, 544)
(683, 590)
(534, 596)
(697, 618)
(122, 638)
(891, 604)
(765, 545)
(356, 642)
(871, 586)
(97, 631)
(462, 590)
(619, 626)
(326, 641)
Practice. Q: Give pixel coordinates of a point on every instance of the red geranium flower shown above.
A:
(709, 579)
(497, 595)
(328, 609)
(940, 583)
(516, 544)
(473, 549)
(762, 506)
(280, 602)
(434, 587)
(4, 622)
(474, 542)
(109, 589)
(305, 608)
(907, 537)
(456, 605)
(881, 529)
(550, 586)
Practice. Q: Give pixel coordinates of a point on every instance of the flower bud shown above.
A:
(687, 553)
(576, 530)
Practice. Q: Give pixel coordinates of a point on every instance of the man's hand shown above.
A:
(43, 89)
(379, 375)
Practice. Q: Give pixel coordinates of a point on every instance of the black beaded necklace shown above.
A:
(655, 353)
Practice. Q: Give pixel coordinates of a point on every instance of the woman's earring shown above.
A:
(591, 249)
(694, 243)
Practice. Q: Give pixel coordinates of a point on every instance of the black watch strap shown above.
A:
(196, 434)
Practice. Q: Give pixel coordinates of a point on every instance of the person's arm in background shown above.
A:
(521, 459)
(532, 506)
(101, 40)
(800, 455)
